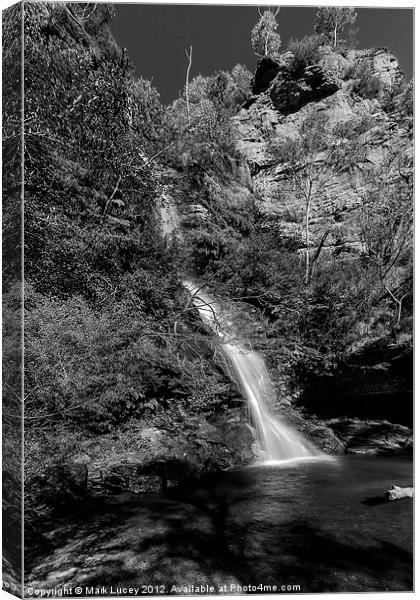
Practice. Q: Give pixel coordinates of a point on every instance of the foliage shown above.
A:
(398, 101)
(204, 138)
(89, 131)
(209, 249)
(108, 338)
(311, 161)
(111, 338)
(11, 145)
(12, 295)
(305, 53)
(333, 22)
(364, 82)
(386, 222)
(265, 40)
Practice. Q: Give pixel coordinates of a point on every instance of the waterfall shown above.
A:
(277, 441)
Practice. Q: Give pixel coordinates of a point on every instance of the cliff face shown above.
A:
(346, 92)
(357, 98)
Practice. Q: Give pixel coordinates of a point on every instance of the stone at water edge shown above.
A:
(396, 493)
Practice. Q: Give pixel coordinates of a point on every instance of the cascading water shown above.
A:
(278, 442)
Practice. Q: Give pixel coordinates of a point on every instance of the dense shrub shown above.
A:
(305, 53)
(204, 138)
(108, 338)
(210, 249)
(364, 82)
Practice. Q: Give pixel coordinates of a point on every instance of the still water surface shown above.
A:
(324, 526)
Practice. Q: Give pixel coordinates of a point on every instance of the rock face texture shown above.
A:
(289, 95)
(347, 93)
(160, 459)
(329, 90)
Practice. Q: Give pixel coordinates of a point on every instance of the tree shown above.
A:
(386, 222)
(311, 161)
(265, 40)
(242, 80)
(332, 21)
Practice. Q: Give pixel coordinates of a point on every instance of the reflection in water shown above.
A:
(278, 442)
(317, 525)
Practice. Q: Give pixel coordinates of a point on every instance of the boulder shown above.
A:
(265, 72)
(289, 95)
(372, 437)
(325, 439)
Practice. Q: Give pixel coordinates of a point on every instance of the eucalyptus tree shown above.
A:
(386, 224)
(265, 40)
(333, 21)
(308, 161)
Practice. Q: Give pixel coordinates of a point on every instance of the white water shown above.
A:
(277, 441)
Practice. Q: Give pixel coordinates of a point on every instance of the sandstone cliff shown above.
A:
(361, 98)
(330, 90)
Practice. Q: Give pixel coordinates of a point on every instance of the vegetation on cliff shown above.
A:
(322, 245)
(102, 291)
(117, 361)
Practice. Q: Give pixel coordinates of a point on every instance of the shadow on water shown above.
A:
(375, 500)
(261, 528)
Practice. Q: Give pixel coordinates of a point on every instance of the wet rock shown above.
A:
(165, 459)
(141, 474)
(238, 438)
(362, 451)
(325, 439)
(372, 437)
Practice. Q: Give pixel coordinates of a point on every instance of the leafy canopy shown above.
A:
(333, 21)
(265, 40)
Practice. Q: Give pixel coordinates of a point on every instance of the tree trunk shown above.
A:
(187, 81)
(396, 493)
(308, 261)
(317, 253)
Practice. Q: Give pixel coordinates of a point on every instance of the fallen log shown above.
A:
(396, 492)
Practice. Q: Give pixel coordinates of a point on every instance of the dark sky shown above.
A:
(156, 37)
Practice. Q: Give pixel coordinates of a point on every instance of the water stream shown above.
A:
(277, 441)
(325, 527)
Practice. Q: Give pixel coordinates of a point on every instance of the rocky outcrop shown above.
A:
(325, 91)
(289, 95)
(265, 72)
(383, 64)
(161, 459)
(374, 383)
(358, 404)
(376, 437)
